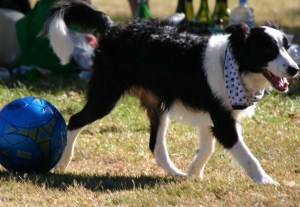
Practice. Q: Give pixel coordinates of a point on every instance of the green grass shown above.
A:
(114, 167)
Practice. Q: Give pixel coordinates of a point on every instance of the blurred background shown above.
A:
(285, 13)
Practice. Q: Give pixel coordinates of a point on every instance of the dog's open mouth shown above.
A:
(280, 84)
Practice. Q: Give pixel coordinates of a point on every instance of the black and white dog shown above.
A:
(209, 81)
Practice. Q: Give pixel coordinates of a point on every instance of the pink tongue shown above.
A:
(281, 83)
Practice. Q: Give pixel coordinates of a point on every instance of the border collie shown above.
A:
(209, 81)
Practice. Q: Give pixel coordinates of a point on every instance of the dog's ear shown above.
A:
(237, 39)
(272, 25)
(237, 27)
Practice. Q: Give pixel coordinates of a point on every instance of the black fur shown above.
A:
(161, 65)
(74, 12)
(154, 56)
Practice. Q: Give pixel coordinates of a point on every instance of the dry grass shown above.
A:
(113, 166)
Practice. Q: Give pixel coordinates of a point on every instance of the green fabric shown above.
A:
(36, 50)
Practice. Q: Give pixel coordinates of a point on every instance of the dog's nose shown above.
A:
(293, 71)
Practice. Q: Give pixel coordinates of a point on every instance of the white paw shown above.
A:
(177, 173)
(265, 179)
(61, 166)
(63, 162)
(194, 173)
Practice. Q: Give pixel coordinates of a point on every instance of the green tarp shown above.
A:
(36, 50)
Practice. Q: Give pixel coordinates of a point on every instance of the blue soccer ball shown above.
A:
(32, 135)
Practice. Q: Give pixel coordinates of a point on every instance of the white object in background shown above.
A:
(294, 52)
(242, 14)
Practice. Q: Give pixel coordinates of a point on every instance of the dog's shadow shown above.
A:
(93, 182)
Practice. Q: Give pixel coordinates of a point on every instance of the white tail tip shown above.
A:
(60, 40)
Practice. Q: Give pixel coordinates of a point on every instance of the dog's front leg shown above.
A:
(249, 163)
(228, 132)
(69, 150)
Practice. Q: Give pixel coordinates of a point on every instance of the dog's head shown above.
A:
(263, 51)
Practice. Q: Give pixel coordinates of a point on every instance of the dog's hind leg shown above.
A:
(101, 100)
(92, 111)
(205, 150)
(159, 125)
(69, 150)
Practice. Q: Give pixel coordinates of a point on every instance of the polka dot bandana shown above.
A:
(240, 98)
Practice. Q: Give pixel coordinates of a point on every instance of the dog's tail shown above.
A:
(77, 13)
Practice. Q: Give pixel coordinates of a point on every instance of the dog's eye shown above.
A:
(287, 47)
(286, 43)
